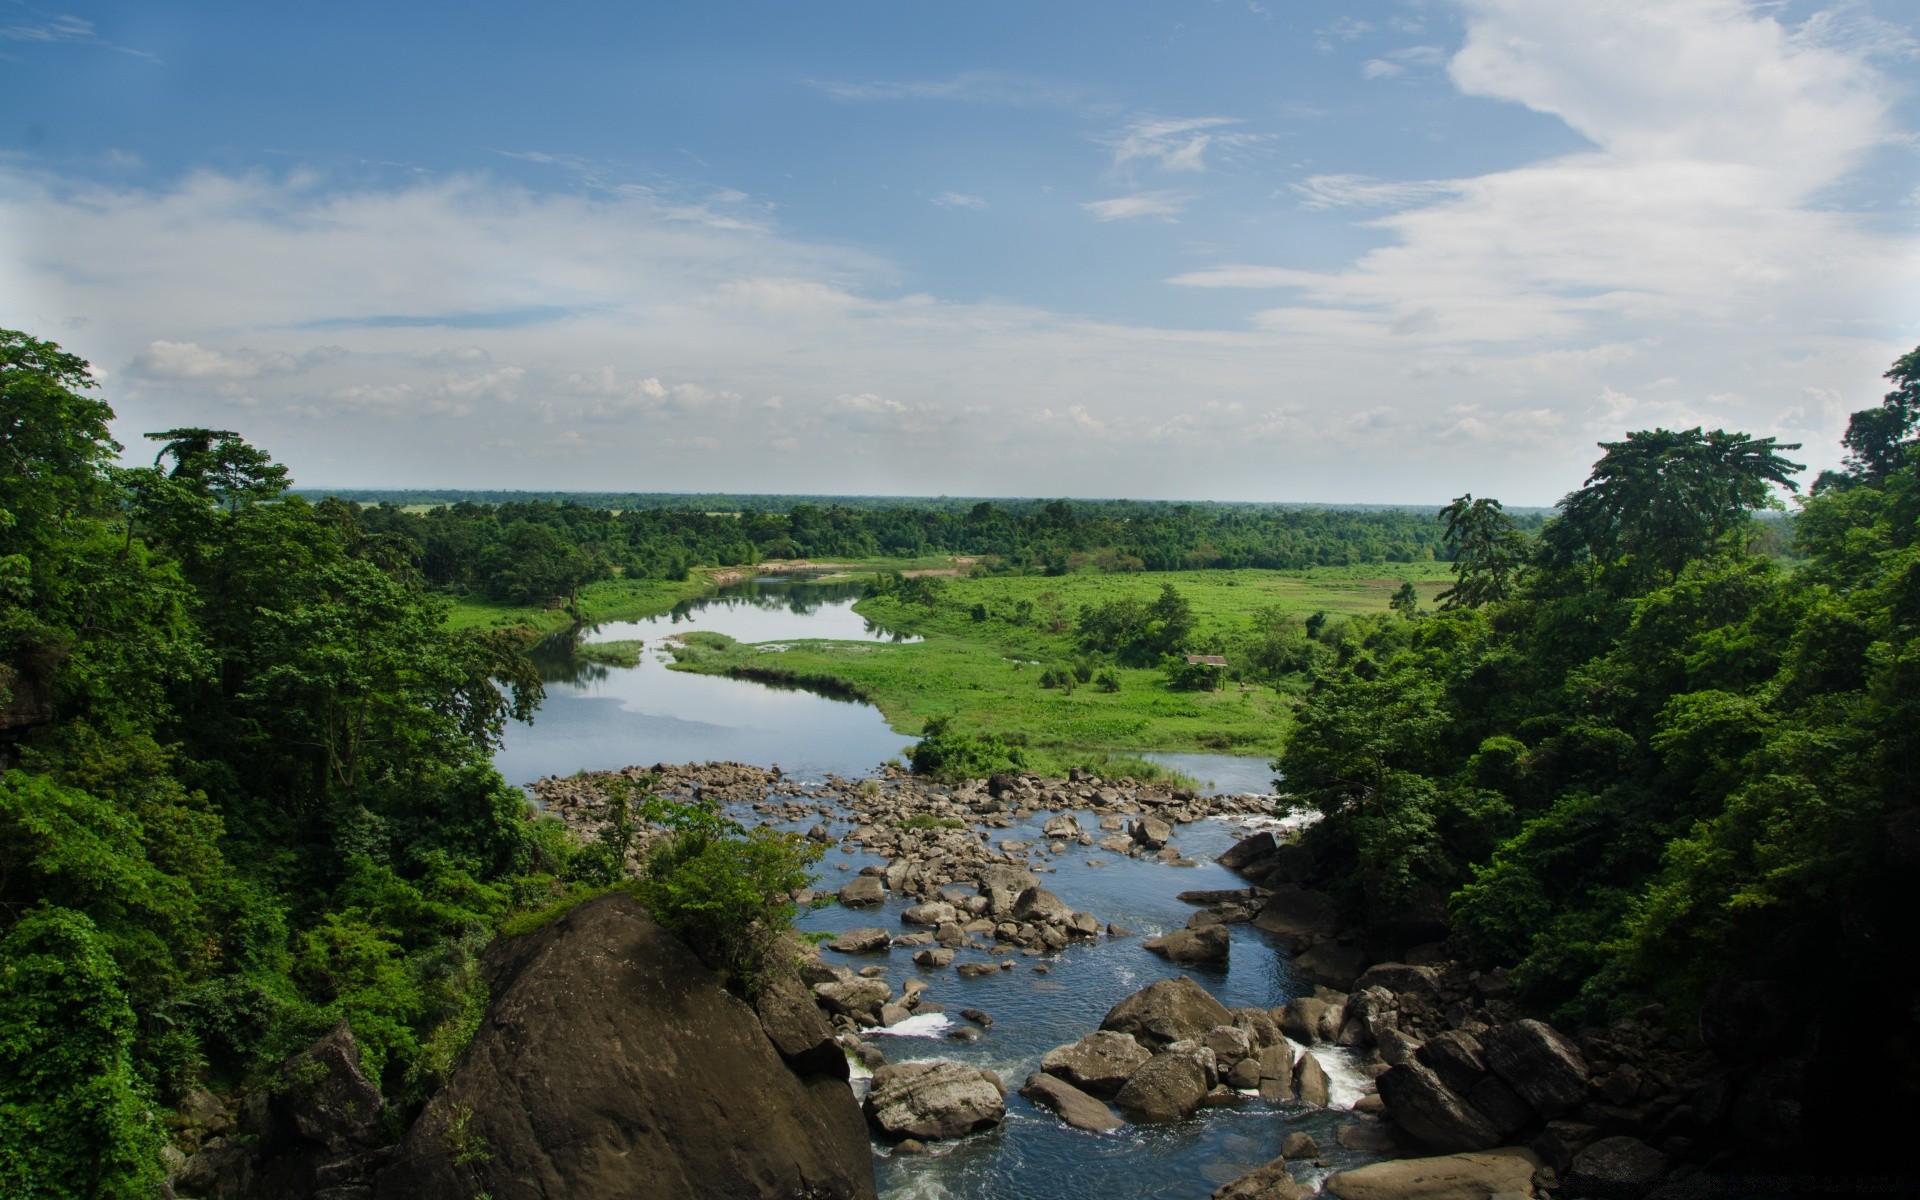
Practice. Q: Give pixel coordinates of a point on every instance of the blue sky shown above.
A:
(1289, 251)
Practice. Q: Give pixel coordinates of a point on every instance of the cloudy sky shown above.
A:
(1217, 249)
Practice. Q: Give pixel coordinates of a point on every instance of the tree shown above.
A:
(1405, 601)
(1487, 551)
(1877, 439)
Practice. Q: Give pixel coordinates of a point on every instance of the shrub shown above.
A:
(945, 753)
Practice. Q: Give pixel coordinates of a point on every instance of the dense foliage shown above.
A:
(535, 551)
(1639, 759)
(246, 788)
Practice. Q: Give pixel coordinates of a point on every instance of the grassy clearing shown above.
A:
(608, 600)
(984, 651)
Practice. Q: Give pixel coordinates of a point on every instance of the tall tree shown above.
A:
(1487, 550)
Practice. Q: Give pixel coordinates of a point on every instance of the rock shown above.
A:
(1299, 917)
(1455, 1057)
(1422, 1105)
(1098, 1063)
(1617, 1167)
(1073, 1106)
(1259, 1025)
(1332, 964)
(1448, 1177)
(977, 1017)
(863, 891)
(1041, 906)
(222, 1167)
(868, 939)
(935, 912)
(323, 1095)
(1500, 1104)
(976, 970)
(1066, 825)
(1167, 1087)
(1300, 1145)
(611, 1063)
(1537, 1062)
(797, 1028)
(1395, 1047)
(1368, 1137)
(819, 834)
(858, 999)
(1244, 1075)
(893, 1014)
(1270, 1182)
(1151, 832)
(1229, 1043)
(934, 956)
(1207, 945)
(1310, 1082)
(1002, 885)
(934, 1100)
(1400, 978)
(1276, 1073)
(1246, 850)
(1301, 1019)
(1165, 1012)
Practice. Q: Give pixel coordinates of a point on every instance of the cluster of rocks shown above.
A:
(1005, 911)
(1168, 1050)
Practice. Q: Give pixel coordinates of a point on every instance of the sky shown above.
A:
(1384, 252)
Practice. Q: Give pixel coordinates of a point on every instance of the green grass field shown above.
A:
(985, 673)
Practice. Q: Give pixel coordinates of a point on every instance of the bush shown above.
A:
(945, 753)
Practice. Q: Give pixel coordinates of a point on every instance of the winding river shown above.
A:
(599, 717)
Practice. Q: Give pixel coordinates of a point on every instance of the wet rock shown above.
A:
(862, 892)
(1301, 1019)
(976, 970)
(1501, 1105)
(1041, 906)
(1072, 1105)
(1538, 1063)
(868, 939)
(1300, 1145)
(1002, 885)
(1099, 1063)
(934, 1100)
(934, 956)
(1456, 1058)
(1299, 917)
(1508, 1170)
(1167, 1011)
(1400, 977)
(977, 1017)
(1066, 825)
(1615, 1168)
(1151, 833)
(1332, 964)
(1167, 1087)
(1422, 1105)
(859, 999)
(1310, 1083)
(1246, 850)
(934, 912)
(797, 1028)
(1210, 944)
(1270, 1182)
(1276, 1073)
(1368, 1137)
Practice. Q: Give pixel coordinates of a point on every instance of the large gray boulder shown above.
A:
(932, 1101)
(1299, 917)
(1246, 850)
(1041, 906)
(933, 912)
(1302, 1019)
(1002, 885)
(797, 1028)
(611, 1063)
(1539, 1064)
(868, 939)
(1169, 1087)
(1400, 977)
(1167, 1011)
(1506, 1171)
(1098, 1063)
(1616, 1168)
(1423, 1106)
(1208, 944)
(322, 1093)
(1310, 1083)
(863, 891)
(1072, 1105)
(1456, 1058)
(860, 999)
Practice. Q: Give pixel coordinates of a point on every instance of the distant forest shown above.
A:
(530, 550)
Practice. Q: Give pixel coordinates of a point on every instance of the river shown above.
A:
(599, 717)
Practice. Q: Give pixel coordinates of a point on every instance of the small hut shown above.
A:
(1210, 660)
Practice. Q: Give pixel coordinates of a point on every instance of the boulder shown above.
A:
(1538, 1063)
(1209, 944)
(1455, 1057)
(1400, 977)
(1301, 1019)
(1165, 1012)
(1270, 1182)
(1042, 907)
(322, 1093)
(858, 999)
(611, 1063)
(1066, 825)
(934, 1100)
(1310, 1083)
(1246, 850)
(797, 1028)
(1167, 1087)
(863, 891)
(1072, 1105)
(869, 939)
(1229, 1043)
(1616, 1168)
(1298, 917)
(1098, 1063)
(1300, 1145)
(934, 956)
(1002, 885)
(1500, 1104)
(1423, 1106)
(1332, 964)
(1151, 832)
(934, 912)
(1508, 1170)
(1276, 1073)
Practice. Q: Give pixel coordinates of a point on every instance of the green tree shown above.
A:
(1487, 549)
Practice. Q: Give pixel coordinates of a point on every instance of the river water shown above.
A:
(599, 717)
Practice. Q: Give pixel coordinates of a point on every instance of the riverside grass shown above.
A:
(984, 652)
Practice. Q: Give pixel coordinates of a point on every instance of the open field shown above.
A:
(986, 673)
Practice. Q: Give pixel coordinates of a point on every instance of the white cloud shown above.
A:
(959, 200)
(1380, 68)
(1358, 191)
(1172, 145)
(1165, 205)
